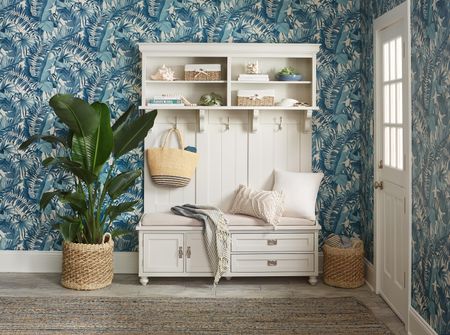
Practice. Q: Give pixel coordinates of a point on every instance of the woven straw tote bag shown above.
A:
(171, 166)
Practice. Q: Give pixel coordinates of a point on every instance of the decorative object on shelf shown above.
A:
(255, 97)
(186, 102)
(302, 104)
(288, 74)
(287, 102)
(252, 67)
(202, 72)
(165, 100)
(164, 73)
(253, 77)
(94, 201)
(172, 167)
(211, 99)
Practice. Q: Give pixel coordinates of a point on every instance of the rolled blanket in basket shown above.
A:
(215, 235)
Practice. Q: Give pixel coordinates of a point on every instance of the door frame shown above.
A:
(398, 13)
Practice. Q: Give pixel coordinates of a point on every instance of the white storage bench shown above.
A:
(172, 246)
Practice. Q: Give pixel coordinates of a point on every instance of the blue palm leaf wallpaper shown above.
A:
(89, 48)
(430, 62)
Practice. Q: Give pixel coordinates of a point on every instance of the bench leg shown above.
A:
(143, 281)
(312, 280)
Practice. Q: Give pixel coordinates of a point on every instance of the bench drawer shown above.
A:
(272, 242)
(272, 263)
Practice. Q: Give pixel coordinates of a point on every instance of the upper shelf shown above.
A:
(276, 82)
(186, 81)
(301, 108)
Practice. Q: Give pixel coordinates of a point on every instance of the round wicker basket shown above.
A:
(88, 266)
(344, 267)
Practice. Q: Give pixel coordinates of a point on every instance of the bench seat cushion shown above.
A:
(236, 220)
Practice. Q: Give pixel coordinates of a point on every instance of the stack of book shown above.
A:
(253, 77)
(165, 100)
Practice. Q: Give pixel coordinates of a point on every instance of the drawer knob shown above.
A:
(272, 242)
(272, 263)
(180, 252)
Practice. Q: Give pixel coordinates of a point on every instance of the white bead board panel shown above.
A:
(229, 156)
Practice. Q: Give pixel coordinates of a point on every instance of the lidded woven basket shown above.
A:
(88, 266)
(344, 267)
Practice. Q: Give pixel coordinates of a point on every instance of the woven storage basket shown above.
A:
(88, 266)
(248, 101)
(202, 72)
(170, 166)
(344, 267)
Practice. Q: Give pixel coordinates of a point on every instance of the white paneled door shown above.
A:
(392, 160)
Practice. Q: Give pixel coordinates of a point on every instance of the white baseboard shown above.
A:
(417, 325)
(370, 274)
(51, 261)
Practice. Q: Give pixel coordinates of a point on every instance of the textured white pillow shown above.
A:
(300, 192)
(265, 205)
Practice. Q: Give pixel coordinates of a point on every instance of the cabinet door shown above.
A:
(163, 253)
(196, 256)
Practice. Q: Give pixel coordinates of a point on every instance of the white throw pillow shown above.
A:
(265, 205)
(300, 192)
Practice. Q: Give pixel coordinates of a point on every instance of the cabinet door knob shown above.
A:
(272, 263)
(272, 242)
(180, 252)
(188, 252)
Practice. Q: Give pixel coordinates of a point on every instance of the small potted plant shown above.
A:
(288, 74)
(90, 151)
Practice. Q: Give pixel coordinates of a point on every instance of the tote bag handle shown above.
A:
(179, 136)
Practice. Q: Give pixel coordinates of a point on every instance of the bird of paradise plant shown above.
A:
(92, 148)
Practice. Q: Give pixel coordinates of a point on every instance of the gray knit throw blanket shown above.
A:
(215, 235)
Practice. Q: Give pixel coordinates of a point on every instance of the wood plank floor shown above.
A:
(47, 285)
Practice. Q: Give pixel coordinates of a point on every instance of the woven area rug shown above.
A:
(99, 315)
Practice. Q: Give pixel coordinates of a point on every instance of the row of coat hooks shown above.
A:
(227, 125)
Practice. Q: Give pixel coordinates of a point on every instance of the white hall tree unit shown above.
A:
(236, 145)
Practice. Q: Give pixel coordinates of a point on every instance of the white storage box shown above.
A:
(202, 72)
(256, 97)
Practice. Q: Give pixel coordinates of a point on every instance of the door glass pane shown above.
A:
(392, 103)
(385, 61)
(392, 60)
(398, 53)
(399, 108)
(386, 103)
(393, 147)
(400, 148)
(387, 154)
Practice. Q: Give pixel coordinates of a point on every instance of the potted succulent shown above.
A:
(91, 149)
(288, 74)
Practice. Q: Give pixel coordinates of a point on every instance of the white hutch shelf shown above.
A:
(233, 59)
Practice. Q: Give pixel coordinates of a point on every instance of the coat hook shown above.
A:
(227, 125)
(280, 125)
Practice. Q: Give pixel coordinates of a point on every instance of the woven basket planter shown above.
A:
(87, 266)
(343, 267)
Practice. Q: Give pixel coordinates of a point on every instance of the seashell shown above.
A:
(164, 73)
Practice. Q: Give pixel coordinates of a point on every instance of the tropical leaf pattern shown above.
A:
(89, 48)
(430, 152)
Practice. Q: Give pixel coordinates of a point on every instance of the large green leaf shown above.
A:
(74, 167)
(48, 196)
(48, 138)
(123, 118)
(70, 228)
(128, 136)
(93, 150)
(76, 200)
(77, 114)
(120, 183)
(115, 210)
